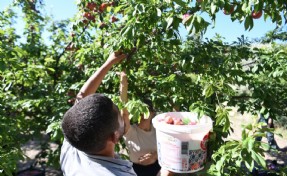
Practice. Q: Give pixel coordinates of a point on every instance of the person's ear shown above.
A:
(116, 137)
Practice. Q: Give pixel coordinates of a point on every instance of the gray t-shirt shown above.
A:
(140, 142)
(78, 163)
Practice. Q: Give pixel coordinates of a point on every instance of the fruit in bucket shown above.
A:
(168, 119)
(192, 123)
(177, 121)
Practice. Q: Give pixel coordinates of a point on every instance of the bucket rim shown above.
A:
(181, 128)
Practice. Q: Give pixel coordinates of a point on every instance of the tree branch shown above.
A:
(62, 53)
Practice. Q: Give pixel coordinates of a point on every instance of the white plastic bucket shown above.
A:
(182, 148)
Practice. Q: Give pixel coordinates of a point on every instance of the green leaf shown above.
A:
(248, 24)
(264, 146)
(226, 125)
(169, 22)
(2, 66)
(243, 134)
(199, 19)
(251, 142)
(126, 30)
(187, 19)
(213, 8)
(249, 127)
(185, 121)
(219, 164)
(254, 69)
(158, 12)
(258, 159)
(180, 2)
(118, 8)
(244, 6)
(208, 91)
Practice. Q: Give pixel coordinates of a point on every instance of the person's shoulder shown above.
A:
(66, 144)
(131, 130)
(113, 166)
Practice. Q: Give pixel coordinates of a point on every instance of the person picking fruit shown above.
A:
(92, 127)
(140, 138)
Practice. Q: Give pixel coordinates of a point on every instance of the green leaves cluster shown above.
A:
(137, 110)
(39, 80)
(241, 157)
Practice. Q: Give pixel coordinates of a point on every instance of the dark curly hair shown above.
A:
(90, 122)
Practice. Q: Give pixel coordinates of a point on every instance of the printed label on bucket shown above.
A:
(181, 156)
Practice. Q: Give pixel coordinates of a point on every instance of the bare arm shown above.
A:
(124, 99)
(92, 84)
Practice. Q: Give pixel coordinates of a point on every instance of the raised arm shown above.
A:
(92, 84)
(124, 99)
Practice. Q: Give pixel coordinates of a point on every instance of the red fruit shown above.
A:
(185, 16)
(177, 121)
(32, 28)
(192, 123)
(91, 6)
(73, 34)
(89, 16)
(203, 143)
(256, 15)
(71, 47)
(103, 25)
(168, 120)
(229, 12)
(86, 14)
(85, 21)
(114, 19)
(104, 6)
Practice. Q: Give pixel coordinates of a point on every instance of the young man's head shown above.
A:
(91, 122)
(152, 112)
(150, 105)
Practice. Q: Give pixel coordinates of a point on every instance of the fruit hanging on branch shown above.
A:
(103, 7)
(114, 19)
(71, 47)
(256, 15)
(228, 11)
(72, 34)
(103, 25)
(89, 16)
(185, 17)
(91, 6)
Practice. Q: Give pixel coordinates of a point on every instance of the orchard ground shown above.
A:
(32, 148)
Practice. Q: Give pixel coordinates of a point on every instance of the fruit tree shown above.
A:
(39, 79)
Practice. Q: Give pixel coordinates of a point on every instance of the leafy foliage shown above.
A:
(39, 79)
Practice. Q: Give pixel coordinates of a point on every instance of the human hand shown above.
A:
(116, 57)
(164, 172)
(122, 74)
(148, 158)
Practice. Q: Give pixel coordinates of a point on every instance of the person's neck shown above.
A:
(145, 125)
(108, 151)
